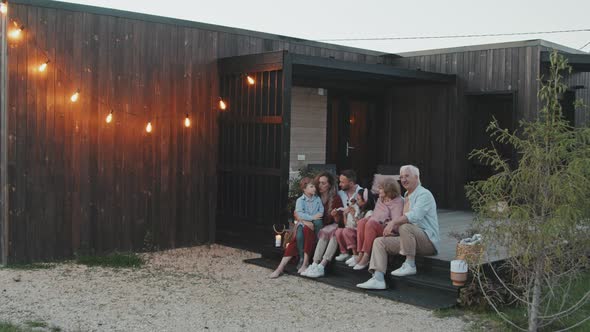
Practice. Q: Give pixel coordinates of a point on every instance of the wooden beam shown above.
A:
(4, 222)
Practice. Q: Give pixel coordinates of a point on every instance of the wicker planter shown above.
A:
(470, 253)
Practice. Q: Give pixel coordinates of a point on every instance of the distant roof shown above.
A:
(198, 25)
(483, 47)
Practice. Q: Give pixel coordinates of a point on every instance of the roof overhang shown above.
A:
(579, 62)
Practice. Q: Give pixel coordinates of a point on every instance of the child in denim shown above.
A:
(309, 211)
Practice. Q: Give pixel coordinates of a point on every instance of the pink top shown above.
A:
(388, 211)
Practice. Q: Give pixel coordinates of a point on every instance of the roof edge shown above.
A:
(74, 7)
(492, 46)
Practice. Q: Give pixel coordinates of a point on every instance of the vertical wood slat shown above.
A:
(4, 138)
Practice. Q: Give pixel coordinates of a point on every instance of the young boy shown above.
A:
(309, 211)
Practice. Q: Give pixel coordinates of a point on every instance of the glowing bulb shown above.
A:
(75, 96)
(15, 33)
(222, 104)
(43, 66)
(148, 128)
(251, 80)
(3, 7)
(109, 117)
(187, 121)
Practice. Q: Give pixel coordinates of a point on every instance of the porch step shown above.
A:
(431, 288)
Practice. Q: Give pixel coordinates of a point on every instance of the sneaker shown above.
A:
(404, 270)
(309, 269)
(372, 284)
(317, 272)
(359, 267)
(351, 261)
(342, 257)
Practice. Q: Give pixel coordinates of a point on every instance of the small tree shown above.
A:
(540, 211)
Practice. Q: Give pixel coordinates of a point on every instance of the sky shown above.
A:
(329, 19)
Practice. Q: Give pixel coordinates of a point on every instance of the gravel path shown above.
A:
(196, 289)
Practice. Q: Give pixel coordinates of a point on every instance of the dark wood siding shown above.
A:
(79, 184)
(430, 121)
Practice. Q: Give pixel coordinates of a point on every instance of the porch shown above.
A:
(431, 288)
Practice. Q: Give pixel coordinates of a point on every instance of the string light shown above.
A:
(250, 80)
(43, 66)
(3, 7)
(75, 96)
(222, 104)
(148, 128)
(15, 33)
(109, 117)
(187, 121)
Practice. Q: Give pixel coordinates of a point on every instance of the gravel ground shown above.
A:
(196, 289)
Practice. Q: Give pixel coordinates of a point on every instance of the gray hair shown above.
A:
(412, 170)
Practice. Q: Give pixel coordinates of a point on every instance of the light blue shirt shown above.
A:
(307, 207)
(423, 213)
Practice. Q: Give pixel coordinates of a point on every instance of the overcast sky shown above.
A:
(329, 19)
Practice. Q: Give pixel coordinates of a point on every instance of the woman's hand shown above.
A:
(389, 228)
(318, 216)
(309, 224)
(334, 212)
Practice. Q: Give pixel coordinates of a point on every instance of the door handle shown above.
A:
(348, 148)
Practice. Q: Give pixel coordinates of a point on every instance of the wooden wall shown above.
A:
(430, 121)
(78, 184)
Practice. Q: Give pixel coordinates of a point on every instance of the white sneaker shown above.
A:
(351, 261)
(317, 272)
(342, 257)
(309, 270)
(372, 284)
(359, 267)
(404, 270)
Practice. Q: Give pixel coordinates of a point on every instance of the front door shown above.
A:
(352, 135)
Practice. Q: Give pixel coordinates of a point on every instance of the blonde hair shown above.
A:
(391, 188)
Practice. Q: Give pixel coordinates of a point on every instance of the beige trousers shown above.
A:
(411, 241)
(325, 248)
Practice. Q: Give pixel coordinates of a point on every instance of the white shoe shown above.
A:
(404, 270)
(309, 270)
(351, 261)
(317, 272)
(359, 267)
(372, 284)
(342, 257)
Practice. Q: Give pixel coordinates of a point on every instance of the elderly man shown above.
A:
(418, 232)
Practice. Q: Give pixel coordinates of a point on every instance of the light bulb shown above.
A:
(148, 128)
(3, 7)
(109, 117)
(187, 121)
(75, 96)
(43, 66)
(222, 104)
(251, 80)
(15, 33)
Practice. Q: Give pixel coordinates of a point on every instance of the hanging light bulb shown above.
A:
(187, 121)
(250, 80)
(222, 104)
(15, 33)
(148, 128)
(43, 66)
(109, 117)
(75, 96)
(3, 7)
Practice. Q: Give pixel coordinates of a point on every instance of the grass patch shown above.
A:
(488, 320)
(8, 327)
(115, 260)
(32, 323)
(29, 266)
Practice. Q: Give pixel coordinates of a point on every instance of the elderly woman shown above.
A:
(418, 232)
(389, 207)
(326, 245)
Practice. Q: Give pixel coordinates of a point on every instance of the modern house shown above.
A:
(73, 181)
